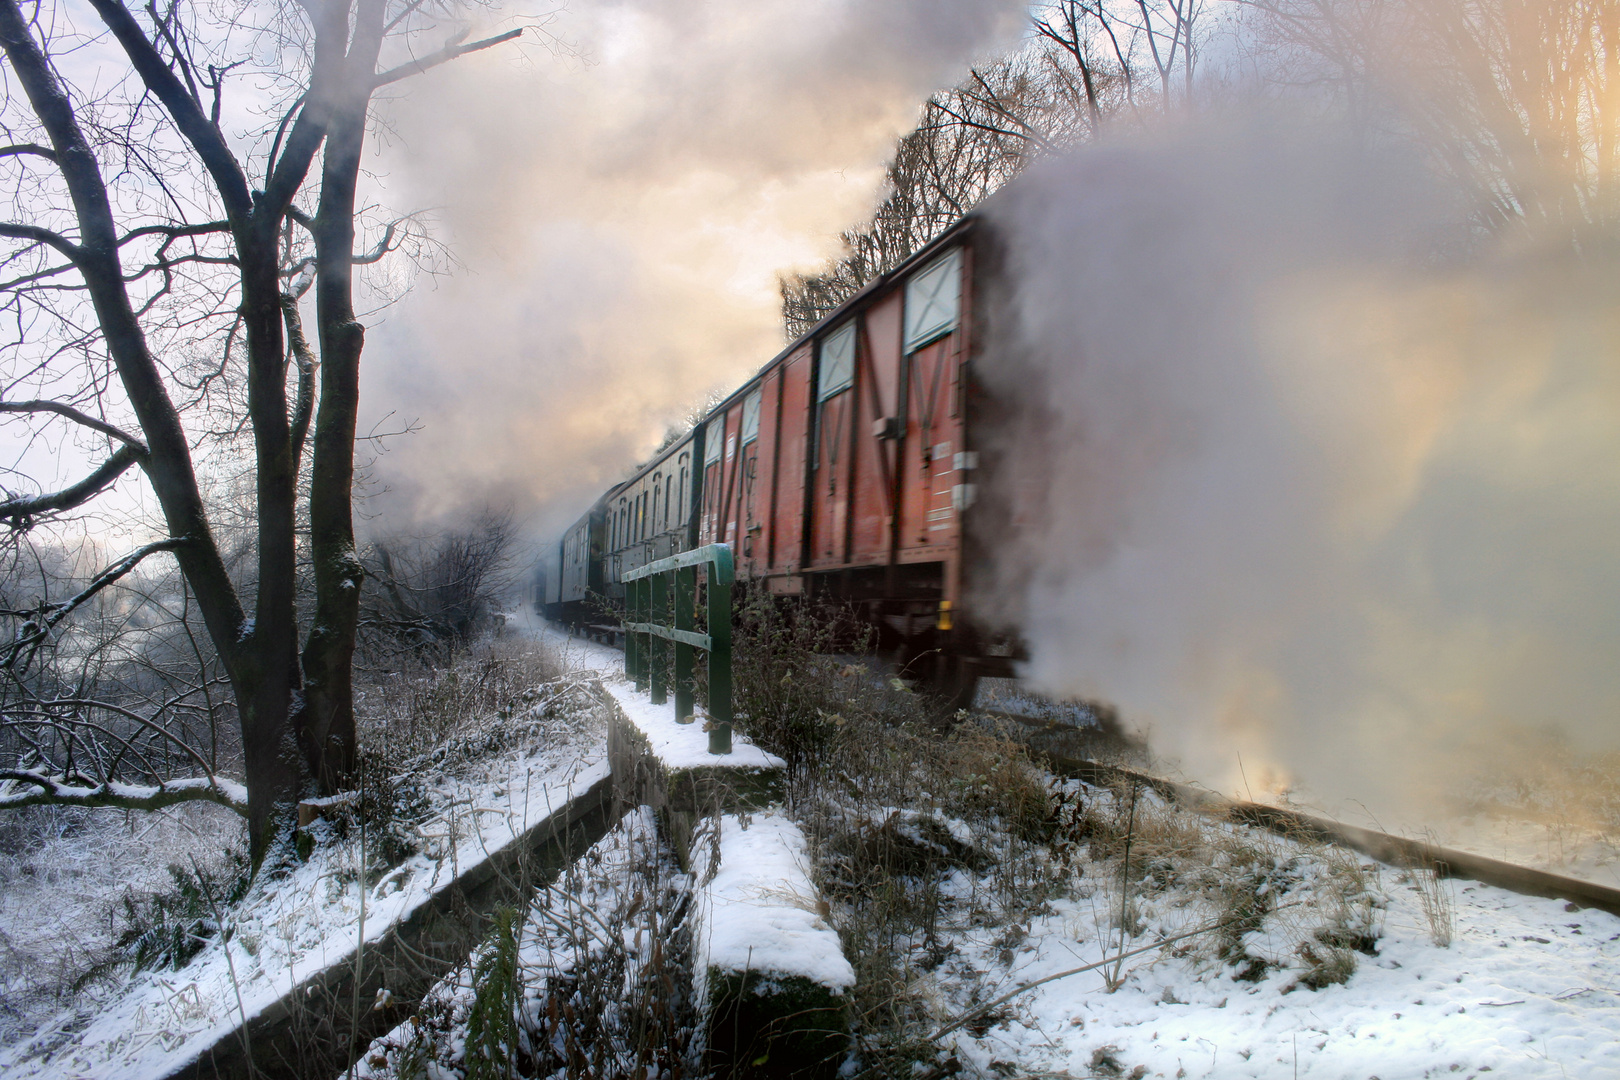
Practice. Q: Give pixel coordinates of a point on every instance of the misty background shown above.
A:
(1322, 509)
(1325, 469)
(618, 204)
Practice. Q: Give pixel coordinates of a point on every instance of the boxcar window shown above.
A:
(932, 298)
(712, 439)
(750, 417)
(837, 362)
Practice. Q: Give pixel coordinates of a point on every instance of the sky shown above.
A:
(618, 202)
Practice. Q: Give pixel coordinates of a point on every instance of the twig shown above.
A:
(967, 1018)
(1125, 887)
(225, 947)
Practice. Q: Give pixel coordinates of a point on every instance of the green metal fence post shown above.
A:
(685, 589)
(643, 639)
(658, 589)
(630, 636)
(647, 616)
(720, 654)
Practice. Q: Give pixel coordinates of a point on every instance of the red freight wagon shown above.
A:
(844, 469)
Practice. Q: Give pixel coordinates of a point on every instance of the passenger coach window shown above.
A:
(750, 417)
(933, 297)
(837, 362)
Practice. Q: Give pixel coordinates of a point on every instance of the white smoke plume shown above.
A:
(619, 215)
(1311, 492)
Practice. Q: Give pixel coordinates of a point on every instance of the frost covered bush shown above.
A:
(484, 700)
(1273, 903)
(915, 834)
(64, 875)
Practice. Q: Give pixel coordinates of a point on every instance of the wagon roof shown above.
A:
(963, 225)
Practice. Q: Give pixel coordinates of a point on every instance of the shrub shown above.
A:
(168, 928)
(794, 683)
(492, 1022)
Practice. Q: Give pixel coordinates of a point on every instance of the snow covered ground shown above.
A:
(295, 924)
(60, 871)
(1527, 988)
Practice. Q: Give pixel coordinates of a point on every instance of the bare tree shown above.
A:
(437, 593)
(127, 689)
(1087, 64)
(1515, 99)
(153, 267)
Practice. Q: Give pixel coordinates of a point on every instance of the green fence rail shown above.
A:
(649, 593)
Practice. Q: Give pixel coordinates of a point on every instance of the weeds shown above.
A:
(166, 929)
(477, 704)
(590, 980)
(492, 1021)
(1428, 878)
(795, 682)
(915, 836)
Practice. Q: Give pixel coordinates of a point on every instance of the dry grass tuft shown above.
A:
(1428, 878)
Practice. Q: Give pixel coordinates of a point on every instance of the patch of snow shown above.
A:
(1528, 988)
(758, 909)
(292, 928)
(682, 746)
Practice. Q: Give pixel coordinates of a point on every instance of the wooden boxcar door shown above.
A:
(751, 494)
(832, 431)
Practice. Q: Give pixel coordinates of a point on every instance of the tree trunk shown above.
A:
(326, 722)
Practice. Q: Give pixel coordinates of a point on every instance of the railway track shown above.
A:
(1393, 850)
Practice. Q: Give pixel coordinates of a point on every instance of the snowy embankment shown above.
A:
(310, 916)
(1527, 987)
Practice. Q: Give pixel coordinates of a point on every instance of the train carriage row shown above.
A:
(842, 471)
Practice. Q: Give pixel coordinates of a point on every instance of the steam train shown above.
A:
(843, 471)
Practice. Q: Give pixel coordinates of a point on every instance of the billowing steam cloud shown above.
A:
(1309, 493)
(620, 217)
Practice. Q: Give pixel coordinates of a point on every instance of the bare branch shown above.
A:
(77, 417)
(49, 616)
(18, 510)
(42, 236)
(37, 150)
(443, 56)
(73, 791)
(384, 246)
(182, 106)
(304, 357)
(173, 231)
